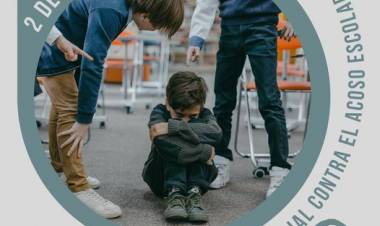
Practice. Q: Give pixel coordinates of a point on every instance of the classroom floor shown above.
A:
(117, 153)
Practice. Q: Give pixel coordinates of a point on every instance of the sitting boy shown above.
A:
(183, 133)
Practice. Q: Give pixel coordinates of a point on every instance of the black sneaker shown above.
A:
(195, 210)
(176, 209)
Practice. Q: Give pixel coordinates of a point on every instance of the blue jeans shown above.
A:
(185, 177)
(259, 42)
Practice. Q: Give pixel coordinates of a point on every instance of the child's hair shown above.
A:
(185, 90)
(165, 15)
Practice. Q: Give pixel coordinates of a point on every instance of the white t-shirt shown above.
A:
(53, 35)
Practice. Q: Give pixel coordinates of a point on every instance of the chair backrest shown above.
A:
(293, 44)
(124, 34)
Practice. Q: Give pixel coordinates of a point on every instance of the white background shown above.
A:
(25, 200)
(356, 200)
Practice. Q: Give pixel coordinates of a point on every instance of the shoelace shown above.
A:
(175, 200)
(195, 200)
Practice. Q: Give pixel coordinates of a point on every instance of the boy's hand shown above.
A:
(212, 156)
(78, 133)
(192, 54)
(287, 33)
(158, 130)
(70, 50)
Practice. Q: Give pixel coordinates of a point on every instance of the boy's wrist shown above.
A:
(206, 153)
(53, 36)
(196, 41)
(84, 118)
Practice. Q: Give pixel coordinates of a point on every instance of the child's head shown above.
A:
(164, 15)
(185, 95)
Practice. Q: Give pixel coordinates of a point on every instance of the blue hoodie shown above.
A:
(91, 25)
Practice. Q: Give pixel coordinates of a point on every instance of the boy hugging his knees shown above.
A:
(183, 134)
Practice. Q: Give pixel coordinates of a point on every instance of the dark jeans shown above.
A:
(185, 177)
(259, 43)
(161, 175)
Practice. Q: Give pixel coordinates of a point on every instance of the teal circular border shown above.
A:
(29, 48)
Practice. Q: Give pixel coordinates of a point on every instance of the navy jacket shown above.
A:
(235, 12)
(91, 25)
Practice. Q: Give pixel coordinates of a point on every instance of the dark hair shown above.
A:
(185, 90)
(165, 15)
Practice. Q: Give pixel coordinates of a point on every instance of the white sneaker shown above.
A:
(223, 166)
(98, 204)
(92, 181)
(277, 175)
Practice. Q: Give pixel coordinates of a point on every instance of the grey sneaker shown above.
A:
(98, 204)
(176, 209)
(92, 181)
(195, 210)
(277, 175)
(223, 166)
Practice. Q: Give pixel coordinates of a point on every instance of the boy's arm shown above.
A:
(103, 26)
(159, 116)
(176, 149)
(205, 128)
(70, 50)
(201, 21)
(181, 128)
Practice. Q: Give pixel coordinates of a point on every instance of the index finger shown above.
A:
(84, 54)
(64, 133)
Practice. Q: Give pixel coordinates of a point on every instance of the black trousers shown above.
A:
(259, 43)
(162, 175)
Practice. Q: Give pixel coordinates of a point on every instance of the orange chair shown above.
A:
(284, 86)
(261, 162)
(115, 67)
(286, 67)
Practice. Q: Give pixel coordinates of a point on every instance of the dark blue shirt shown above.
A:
(235, 12)
(242, 12)
(92, 25)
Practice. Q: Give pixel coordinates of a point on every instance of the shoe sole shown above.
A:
(198, 218)
(112, 216)
(176, 216)
(217, 187)
(95, 187)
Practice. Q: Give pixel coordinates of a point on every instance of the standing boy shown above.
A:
(183, 135)
(91, 25)
(248, 29)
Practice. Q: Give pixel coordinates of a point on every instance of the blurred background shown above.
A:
(135, 75)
